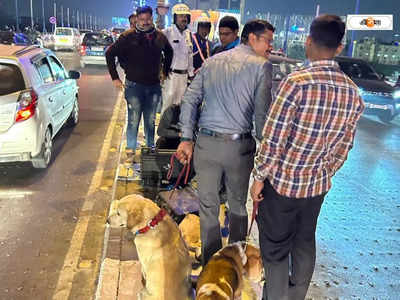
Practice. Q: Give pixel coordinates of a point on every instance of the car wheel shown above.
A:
(42, 161)
(73, 119)
(386, 117)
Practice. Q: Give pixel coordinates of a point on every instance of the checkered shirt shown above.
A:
(309, 130)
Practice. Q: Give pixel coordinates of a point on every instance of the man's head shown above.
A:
(132, 20)
(144, 17)
(203, 27)
(325, 39)
(181, 15)
(228, 29)
(258, 34)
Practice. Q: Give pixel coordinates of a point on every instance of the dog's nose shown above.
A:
(108, 221)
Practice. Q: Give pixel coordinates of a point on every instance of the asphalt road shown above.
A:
(40, 209)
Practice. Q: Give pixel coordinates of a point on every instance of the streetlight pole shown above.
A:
(62, 16)
(350, 49)
(43, 21)
(32, 22)
(16, 15)
(68, 16)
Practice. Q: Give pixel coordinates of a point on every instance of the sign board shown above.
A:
(53, 20)
(369, 22)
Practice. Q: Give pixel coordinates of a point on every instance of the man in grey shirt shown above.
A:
(231, 88)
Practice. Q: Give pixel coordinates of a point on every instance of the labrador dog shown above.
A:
(231, 274)
(162, 251)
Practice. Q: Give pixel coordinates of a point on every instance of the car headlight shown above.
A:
(396, 94)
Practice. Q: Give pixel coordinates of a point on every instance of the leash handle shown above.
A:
(253, 216)
(185, 169)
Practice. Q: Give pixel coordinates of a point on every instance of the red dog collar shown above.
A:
(153, 223)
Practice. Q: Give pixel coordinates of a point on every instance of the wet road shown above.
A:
(39, 209)
(358, 235)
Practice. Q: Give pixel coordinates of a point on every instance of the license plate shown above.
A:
(377, 106)
(97, 49)
(64, 40)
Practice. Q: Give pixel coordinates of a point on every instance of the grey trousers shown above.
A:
(214, 159)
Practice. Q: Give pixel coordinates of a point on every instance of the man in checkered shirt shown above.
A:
(308, 133)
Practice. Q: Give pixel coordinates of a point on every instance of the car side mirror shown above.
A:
(382, 76)
(74, 75)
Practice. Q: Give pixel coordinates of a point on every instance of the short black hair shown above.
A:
(230, 22)
(144, 10)
(327, 31)
(134, 15)
(257, 27)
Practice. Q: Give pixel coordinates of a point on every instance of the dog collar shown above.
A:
(153, 223)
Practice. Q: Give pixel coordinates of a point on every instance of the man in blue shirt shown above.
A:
(228, 29)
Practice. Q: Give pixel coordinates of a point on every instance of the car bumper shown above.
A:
(21, 142)
(94, 60)
(376, 109)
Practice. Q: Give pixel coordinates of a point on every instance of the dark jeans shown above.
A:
(141, 99)
(215, 158)
(287, 226)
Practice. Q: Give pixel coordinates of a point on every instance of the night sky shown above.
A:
(108, 9)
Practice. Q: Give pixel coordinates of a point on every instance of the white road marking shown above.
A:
(65, 279)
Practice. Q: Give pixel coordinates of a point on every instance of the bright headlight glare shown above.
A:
(396, 94)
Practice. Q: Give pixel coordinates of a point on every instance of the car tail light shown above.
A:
(27, 103)
(83, 50)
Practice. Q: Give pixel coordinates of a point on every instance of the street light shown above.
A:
(32, 23)
(350, 49)
(16, 15)
(43, 22)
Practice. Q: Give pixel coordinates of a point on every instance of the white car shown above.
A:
(37, 98)
(66, 38)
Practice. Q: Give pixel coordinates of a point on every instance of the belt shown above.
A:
(232, 137)
(179, 71)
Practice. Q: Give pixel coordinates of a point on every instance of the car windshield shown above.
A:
(63, 31)
(92, 39)
(118, 30)
(11, 79)
(358, 70)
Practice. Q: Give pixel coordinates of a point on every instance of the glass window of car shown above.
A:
(99, 39)
(63, 31)
(358, 70)
(11, 79)
(44, 70)
(57, 68)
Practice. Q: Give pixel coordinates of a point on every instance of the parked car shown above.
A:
(37, 98)
(116, 32)
(380, 98)
(66, 38)
(93, 48)
(14, 38)
(281, 67)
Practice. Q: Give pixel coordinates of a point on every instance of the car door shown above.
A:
(65, 87)
(50, 92)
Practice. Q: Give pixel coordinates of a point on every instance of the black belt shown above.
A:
(232, 137)
(179, 71)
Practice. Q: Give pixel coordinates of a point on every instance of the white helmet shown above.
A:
(181, 9)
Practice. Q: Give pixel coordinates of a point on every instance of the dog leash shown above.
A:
(186, 168)
(253, 217)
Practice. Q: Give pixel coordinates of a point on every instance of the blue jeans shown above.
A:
(141, 99)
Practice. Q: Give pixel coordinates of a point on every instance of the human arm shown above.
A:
(112, 52)
(263, 98)
(277, 127)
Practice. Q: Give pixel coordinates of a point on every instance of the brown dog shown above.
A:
(162, 252)
(229, 272)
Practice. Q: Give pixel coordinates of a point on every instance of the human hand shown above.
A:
(118, 83)
(256, 191)
(184, 152)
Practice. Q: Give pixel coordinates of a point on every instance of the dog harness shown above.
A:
(153, 223)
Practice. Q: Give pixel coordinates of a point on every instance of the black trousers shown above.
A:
(287, 227)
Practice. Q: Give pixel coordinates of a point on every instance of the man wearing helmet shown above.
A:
(201, 44)
(182, 69)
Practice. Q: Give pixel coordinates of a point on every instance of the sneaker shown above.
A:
(130, 155)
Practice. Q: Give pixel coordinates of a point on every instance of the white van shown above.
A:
(67, 38)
